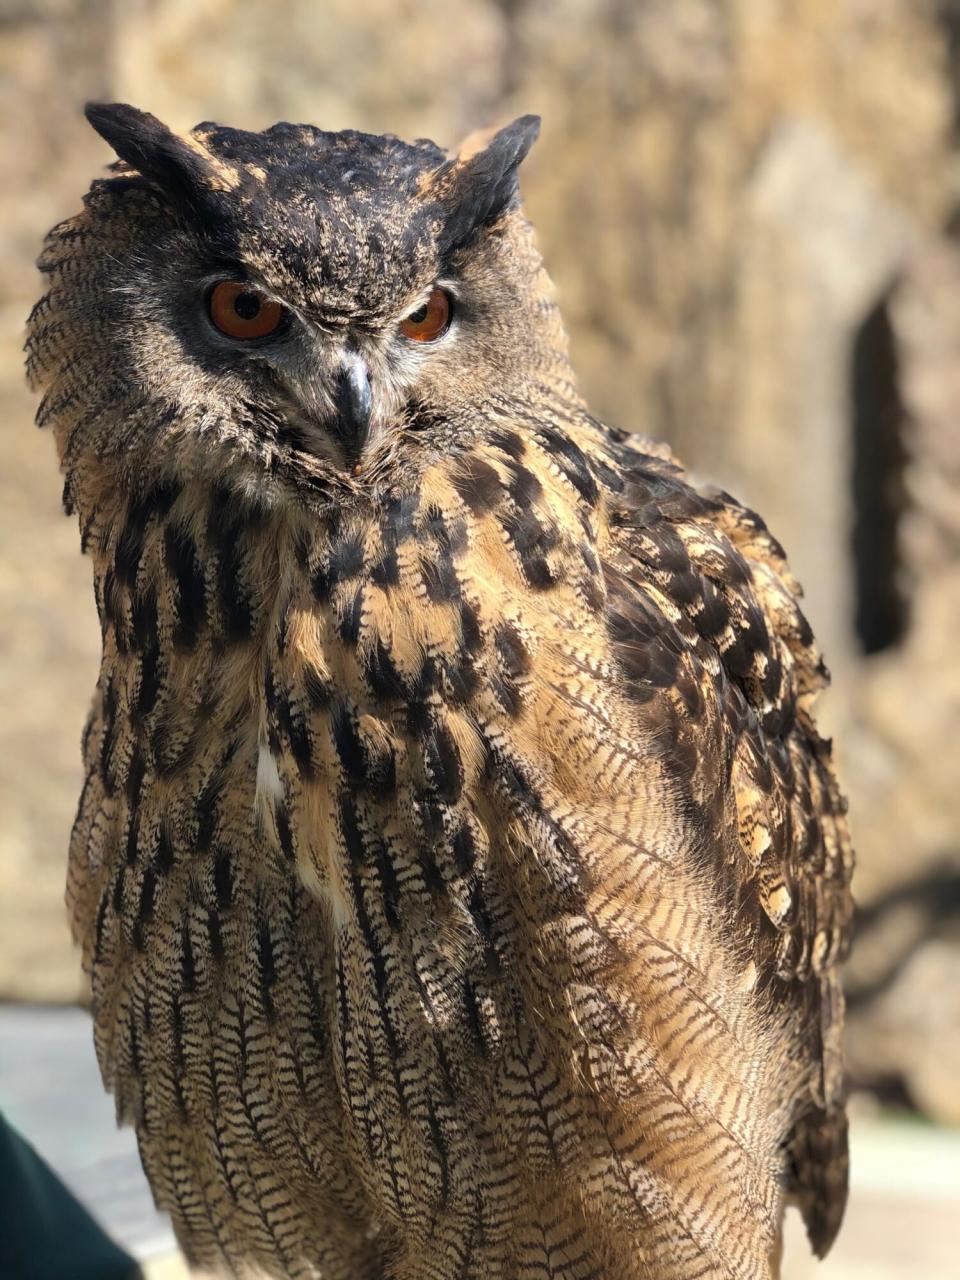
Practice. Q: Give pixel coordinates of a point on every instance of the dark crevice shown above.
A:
(935, 902)
(879, 496)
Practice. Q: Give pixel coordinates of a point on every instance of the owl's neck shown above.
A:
(227, 619)
(298, 693)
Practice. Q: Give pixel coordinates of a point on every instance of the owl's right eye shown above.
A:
(242, 312)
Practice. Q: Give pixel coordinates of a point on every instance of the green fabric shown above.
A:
(45, 1234)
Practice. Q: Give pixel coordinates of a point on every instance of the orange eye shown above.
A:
(241, 311)
(430, 321)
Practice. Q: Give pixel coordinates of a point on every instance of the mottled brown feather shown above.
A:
(460, 873)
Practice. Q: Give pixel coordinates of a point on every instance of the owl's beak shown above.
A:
(354, 403)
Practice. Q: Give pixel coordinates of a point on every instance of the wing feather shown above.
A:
(730, 665)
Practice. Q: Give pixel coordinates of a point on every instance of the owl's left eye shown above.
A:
(431, 320)
(243, 312)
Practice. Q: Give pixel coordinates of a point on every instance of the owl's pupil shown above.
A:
(247, 306)
(418, 316)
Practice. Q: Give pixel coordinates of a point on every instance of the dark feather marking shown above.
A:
(266, 964)
(538, 573)
(215, 935)
(318, 689)
(318, 1012)
(163, 858)
(464, 849)
(443, 764)
(86, 533)
(398, 521)
(510, 442)
(112, 607)
(301, 742)
(432, 875)
(385, 572)
(528, 534)
(181, 558)
(462, 677)
(346, 559)
(350, 829)
(130, 547)
(133, 838)
(281, 631)
(149, 681)
(118, 890)
(207, 811)
(382, 675)
(381, 776)
(223, 882)
(644, 642)
(562, 863)
(188, 964)
(473, 1018)
(236, 604)
(507, 694)
(426, 682)
(284, 830)
(440, 1147)
(470, 628)
(511, 651)
(322, 585)
(591, 590)
(374, 951)
(143, 617)
(348, 625)
(449, 535)
(477, 906)
(148, 891)
(440, 578)
(477, 484)
(572, 461)
(524, 487)
(389, 884)
(713, 614)
(107, 730)
(531, 540)
(135, 776)
(171, 755)
(99, 927)
(348, 744)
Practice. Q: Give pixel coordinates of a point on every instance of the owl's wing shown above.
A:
(705, 620)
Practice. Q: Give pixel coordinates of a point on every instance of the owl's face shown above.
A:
(323, 306)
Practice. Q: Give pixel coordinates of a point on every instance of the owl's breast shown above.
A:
(422, 700)
(419, 644)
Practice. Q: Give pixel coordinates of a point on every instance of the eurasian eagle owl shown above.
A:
(460, 874)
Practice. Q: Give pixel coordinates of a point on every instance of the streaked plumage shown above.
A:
(460, 872)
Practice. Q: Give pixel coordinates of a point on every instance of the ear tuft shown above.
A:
(180, 166)
(481, 183)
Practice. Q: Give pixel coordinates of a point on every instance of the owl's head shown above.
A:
(293, 308)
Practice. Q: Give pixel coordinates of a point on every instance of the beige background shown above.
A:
(736, 197)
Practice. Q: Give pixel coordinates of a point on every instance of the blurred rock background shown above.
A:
(752, 211)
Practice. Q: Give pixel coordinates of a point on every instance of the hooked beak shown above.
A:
(353, 404)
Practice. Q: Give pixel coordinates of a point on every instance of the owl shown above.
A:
(460, 874)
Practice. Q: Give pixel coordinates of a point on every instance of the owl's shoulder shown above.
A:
(705, 618)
